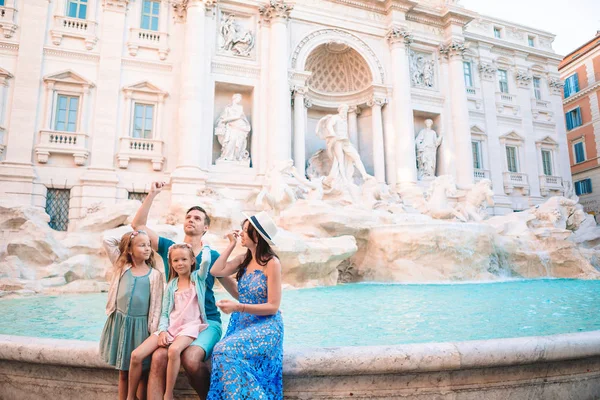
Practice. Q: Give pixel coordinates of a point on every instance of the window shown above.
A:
(143, 121)
(2, 3)
(76, 8)
(497, 32)
(579, 152)
(537, 88)
(531, 41)
(503, 80)
(511, 158)
(476, 147)
(66, 113)
(150, 10)
(468, 74)
(571, 85)
(583, 186)
(57, 207)
(573, 118)
(547, 162)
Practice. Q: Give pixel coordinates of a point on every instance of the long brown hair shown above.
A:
(125, 250)
(264, 252)
(183, 246)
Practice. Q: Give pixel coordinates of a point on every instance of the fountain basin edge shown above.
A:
(544, 367)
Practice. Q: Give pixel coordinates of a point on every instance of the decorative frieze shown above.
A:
(115, 5)
(399, 35)
(422, 69)
(180, 7)
(453, 49)
(523, 78)
(487, 71)
(556, 86)
(276, 9)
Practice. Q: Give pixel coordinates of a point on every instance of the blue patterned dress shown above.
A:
(248, 362)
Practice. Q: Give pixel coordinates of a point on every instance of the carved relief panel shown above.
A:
(236, 34)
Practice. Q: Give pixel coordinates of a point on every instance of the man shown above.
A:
(195, 356)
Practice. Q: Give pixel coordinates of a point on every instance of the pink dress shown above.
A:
(185, 319)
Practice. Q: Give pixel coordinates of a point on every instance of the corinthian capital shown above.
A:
(180, 7)
(377, 101)
(275, 9)
(453, 49)
(399, 35)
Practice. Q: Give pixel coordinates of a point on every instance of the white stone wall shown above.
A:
(181, 68)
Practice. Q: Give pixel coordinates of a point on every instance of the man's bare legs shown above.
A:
(196, 369)
(193, 363)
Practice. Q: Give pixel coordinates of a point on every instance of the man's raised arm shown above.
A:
(141, 217)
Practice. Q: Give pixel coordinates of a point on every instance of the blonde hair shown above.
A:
(125, 250)
(184, 246)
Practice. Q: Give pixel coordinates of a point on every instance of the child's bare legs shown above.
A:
(175, 349)
(135, 365)
(123, 375)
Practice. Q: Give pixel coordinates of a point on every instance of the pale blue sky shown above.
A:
(574, 22)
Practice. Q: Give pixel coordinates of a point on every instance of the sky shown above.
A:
(574, 22)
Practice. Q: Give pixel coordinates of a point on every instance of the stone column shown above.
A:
(99, 183)
(528, 164)
(556, 98)
(279, 138)
(188, 175)
(496, 155)
(404, 140)
(353, 112)
(16, 172)
(299, 129)
(453, 52)
(377, 128)
(262, 134)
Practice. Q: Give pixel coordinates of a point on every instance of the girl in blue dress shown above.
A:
(248, 362)
(134, 303)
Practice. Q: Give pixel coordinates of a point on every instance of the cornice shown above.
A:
(127, 62)
(511, 46)
(582, 93)
(69, 54)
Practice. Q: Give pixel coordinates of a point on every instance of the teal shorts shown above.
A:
(208, 338)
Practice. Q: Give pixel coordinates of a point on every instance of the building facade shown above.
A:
(102, 96)
(580, 71)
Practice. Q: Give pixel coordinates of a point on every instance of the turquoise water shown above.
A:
(365, 314)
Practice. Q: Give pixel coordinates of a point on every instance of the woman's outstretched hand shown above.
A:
(228, 306)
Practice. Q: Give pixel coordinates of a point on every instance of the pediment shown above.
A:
(68, 77)
(548, 141)
(513, 136)
(477, 130)
(145, 87)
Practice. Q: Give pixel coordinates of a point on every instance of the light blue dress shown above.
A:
(127, 327)
(248, 362)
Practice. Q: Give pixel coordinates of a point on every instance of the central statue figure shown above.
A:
(333, 128)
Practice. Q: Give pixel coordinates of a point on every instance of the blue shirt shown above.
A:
(210, 306)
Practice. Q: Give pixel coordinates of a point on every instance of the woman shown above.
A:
(247, 363)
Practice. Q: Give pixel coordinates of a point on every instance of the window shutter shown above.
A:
(568, 121)
(575, 83)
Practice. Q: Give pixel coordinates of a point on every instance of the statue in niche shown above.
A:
(234, 39)
(427, 143)
(232, 131)
(421, 70)
(333, 128)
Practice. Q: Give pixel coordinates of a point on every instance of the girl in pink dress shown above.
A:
(182, 319)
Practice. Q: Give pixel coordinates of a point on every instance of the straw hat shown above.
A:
(264, 225)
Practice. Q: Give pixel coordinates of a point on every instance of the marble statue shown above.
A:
(333, 128)
(436, 205)
(232, 131)
(427, 143)
(275, 194)
(421, 70)
(473, 207)
(234, 40)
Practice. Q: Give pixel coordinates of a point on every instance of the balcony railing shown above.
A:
(480, 174)
(548, 183)
(7, 20)
(541, 104)
(140, 149)
(74, 27)
(505, 98)
(148, 39)
(58, 142)
(515, 180)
